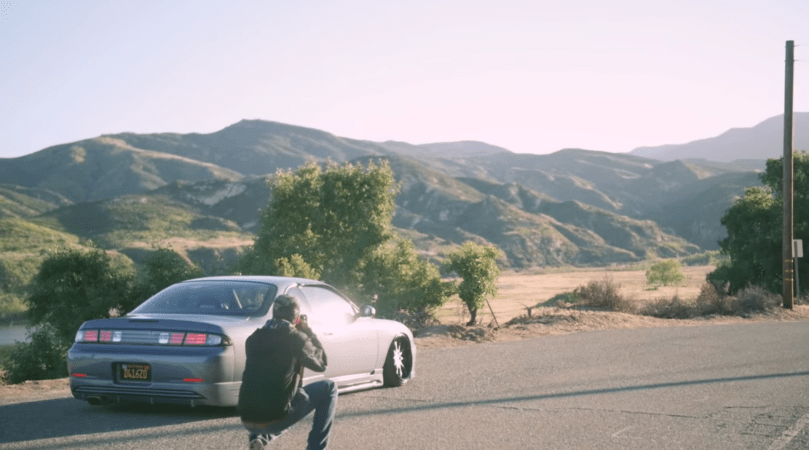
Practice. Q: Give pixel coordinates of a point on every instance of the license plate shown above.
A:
(135, 372)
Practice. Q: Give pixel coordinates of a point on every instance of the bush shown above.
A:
(712, 301)
(755, 299)
(43, 358)
(476, 266)
(398, 282)
(665, 272)
(295, 266)
(711, 257)
(160, 270)
(673, 308)
(414, 320)
(604, 294)
(5, 352)
(74, 286)
(565, 298)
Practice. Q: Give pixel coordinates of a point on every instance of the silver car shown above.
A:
(186, 343)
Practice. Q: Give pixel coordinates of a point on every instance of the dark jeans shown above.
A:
(320, 396)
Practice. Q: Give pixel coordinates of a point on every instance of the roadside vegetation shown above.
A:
(476, 265)
(5, 353)
(754, 225)
(75, 285)
(605, 295)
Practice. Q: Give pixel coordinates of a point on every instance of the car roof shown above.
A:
(276, 280)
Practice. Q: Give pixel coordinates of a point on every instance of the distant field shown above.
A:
(517, 291)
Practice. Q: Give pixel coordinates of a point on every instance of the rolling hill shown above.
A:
(19, 201)
(204, 191)
(104, 167)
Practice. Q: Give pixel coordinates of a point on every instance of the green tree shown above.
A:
(754, 227)
(399, 280)
(160, 270)
(665, 272)
(295, 266)
(73, 286)
(333, 219)
(753, 244)
(476, 266)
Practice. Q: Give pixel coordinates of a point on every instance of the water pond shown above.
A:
(9, 334)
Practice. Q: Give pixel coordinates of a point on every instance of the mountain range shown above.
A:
(202, 194)
(763, 141)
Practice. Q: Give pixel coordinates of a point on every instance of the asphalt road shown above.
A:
(739, 386)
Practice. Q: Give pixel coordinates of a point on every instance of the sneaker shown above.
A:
(258, 442)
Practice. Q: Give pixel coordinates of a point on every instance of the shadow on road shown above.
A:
(69, 417)
(505, 401)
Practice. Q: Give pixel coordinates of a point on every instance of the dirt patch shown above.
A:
(548, 321)
(31, 391)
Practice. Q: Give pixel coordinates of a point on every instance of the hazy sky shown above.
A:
(531, 76)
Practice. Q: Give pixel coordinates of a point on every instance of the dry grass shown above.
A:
(518, 291)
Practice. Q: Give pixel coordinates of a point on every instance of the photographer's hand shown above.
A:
(303, 324)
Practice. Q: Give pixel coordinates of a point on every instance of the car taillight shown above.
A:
(87, 336)
(171, 338)
(205, 339)
(163, 338)
(195, 339)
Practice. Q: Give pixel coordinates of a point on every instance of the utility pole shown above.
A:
(788, 196)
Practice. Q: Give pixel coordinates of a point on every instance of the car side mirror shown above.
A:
(368, 311)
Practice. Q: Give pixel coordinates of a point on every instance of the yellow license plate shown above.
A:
(135, 372)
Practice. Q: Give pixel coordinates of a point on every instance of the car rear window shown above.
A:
(219, 298)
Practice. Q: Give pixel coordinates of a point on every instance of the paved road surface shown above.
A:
(740, 386)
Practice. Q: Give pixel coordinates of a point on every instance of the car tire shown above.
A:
(398, 363)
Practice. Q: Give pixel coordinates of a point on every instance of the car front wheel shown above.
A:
(398, 363)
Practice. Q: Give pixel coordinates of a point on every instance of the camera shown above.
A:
(301, 321)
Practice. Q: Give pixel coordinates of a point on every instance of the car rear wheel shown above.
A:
(398, 363)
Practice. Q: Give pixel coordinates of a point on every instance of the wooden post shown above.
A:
(788, 183)
(492, 311)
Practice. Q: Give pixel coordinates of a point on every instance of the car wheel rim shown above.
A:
(398, 359)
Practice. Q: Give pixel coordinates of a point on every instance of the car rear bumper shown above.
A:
(101, 392)
(191, 376)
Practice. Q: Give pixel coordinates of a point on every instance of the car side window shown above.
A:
(298, 294)
(327, 307)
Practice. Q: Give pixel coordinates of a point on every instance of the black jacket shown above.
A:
(273, 371)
